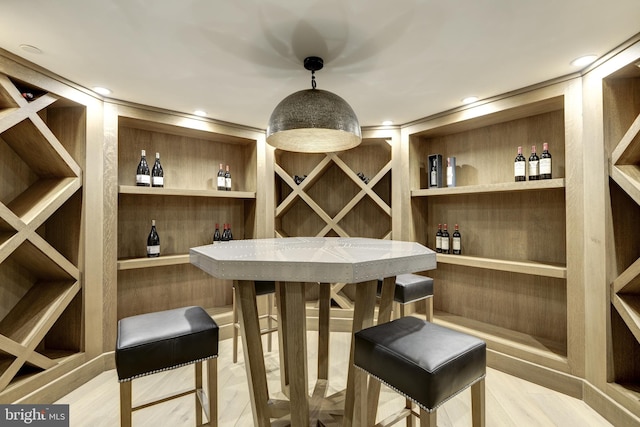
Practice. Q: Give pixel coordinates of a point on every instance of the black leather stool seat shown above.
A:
(265, 287)
(427, 363)
(163, 340)
(410, 288)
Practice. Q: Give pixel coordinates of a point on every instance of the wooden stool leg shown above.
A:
(212, 382)
(269, 319)
(198, 380)
(125, 404)
(427, 419)
(429, 308)
(401, 311)
(234, 310)
(409, 406)
(477, 404)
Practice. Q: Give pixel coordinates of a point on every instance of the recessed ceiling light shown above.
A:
(469, 99)
(387, 123)
(102, 90)
(29, 48)
(200, 113)
(584, 60)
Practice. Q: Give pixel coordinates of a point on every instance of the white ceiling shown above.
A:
(236, 59)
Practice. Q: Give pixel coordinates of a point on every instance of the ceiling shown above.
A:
(236, 59)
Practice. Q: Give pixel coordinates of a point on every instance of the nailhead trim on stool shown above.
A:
(160, 341)
(427, 363)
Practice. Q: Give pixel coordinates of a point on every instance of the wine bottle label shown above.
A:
(545, 166)
(445, 244)
(519, 168)
(143, 179)
(158, 181)
(227, 183)
(434, 178)
(153, 250)
(533, 168)
(456, 243)
(221, 182)
(438, 242)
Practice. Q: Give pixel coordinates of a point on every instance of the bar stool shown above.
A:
(412, 288)
(164, 340)
(263, 287)
(427, 363)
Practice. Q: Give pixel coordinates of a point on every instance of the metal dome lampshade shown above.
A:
(313, 120)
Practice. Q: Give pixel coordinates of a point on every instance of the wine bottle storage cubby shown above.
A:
(186, 209)
(621, 109)
(505, 306)
(509, 285)
(42, 142)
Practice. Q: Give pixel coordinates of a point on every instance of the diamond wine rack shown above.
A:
(40, 211)
(621, 94)
(345, 194)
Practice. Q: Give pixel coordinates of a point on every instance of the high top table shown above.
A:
(292, 262)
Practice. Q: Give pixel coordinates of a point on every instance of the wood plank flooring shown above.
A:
(510, 401)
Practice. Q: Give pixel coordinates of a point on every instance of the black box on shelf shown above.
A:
(434, 171)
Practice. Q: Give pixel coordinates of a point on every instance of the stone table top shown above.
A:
(312, 259)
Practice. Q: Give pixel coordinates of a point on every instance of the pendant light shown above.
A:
(313, 120)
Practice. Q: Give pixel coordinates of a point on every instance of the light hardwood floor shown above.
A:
(510, 401)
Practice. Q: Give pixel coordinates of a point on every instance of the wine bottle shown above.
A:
(534, 166)
(520, 166)
(451, 171)
(143, 179)
(225, 234)
(153, 241)
(445, 240)
(439, 239)
(456, 241)
(229, 233)
(227, 179)
(157, 174)
(222, 186)
(216, 234)
(434, 174)
(545, 162)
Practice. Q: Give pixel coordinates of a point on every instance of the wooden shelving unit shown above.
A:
(186, 209)
(511, 284)
(41, 170)
(621, 110)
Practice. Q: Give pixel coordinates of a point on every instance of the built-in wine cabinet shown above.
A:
(512, 283)
(42, 156)
(621, 109)
(186, 209)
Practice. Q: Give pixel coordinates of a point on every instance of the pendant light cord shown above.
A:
(313, 79)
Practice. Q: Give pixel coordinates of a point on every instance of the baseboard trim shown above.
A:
(68, 382)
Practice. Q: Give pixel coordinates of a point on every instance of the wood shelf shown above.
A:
(37, 310)
(161, 261)
(185, 192)
(544, 184)
(523, 267)
(629, 280)
(628, 178)
(523, 346)
(628, 306)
